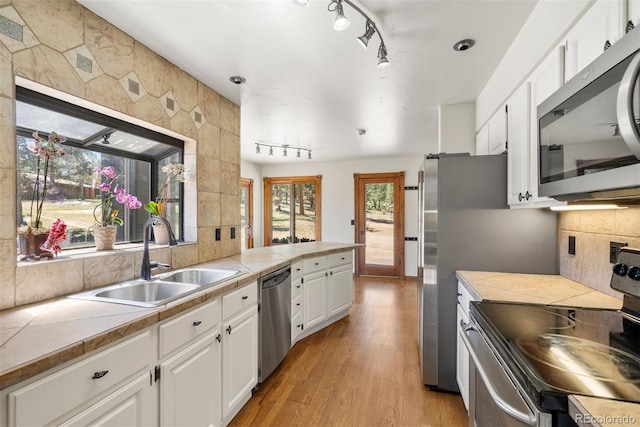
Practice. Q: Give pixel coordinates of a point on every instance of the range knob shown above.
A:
(620, 269)
(634, 273)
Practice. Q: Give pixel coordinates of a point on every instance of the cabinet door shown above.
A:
(314, 299)
(340, 289)
(462, 361)
(482, 141)
(518, 154)
(498, 132)
(190, 385)
(603, 22)
(130, 405)
(633, 12)
(239, 359)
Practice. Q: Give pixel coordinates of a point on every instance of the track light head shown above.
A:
(309, 156)
(383, 62)
(342, 22)
(298, 154)
(257, 148)
(368, 33)
(271, 151)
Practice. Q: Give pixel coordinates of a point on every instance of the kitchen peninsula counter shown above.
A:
(41, 336)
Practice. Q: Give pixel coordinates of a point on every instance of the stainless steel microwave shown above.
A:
(589, 130)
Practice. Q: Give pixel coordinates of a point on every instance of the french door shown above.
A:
(379, 208)
(246, 213)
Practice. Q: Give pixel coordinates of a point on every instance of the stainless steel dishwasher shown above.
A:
(275, 320)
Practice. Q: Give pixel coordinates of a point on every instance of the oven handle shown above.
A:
(626, 117)
(515, 413)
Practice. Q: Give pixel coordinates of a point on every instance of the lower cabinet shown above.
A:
(131, 405)
(190, 385)
(239, 361)
(340, 289)
(462, 354)
(314, 296)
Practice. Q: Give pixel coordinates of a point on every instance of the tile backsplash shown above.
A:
(593, 231)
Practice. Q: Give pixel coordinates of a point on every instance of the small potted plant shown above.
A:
(105, 215)
(175, 172)
(33, 235)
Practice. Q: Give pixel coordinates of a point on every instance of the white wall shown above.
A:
(548, 23)
(253, 171)
(338, 195)
(457, 130)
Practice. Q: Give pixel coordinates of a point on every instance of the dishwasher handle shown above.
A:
(523, 417)
(276, 278)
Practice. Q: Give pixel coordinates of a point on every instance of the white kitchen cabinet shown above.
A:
(239, 360)
(296, 302)
(462, 354)
(190, 385)
(482, 141)
(522, 125)
(340, 282)
(498, 132)
(633, 12)
(89, 383)
(314, 299)
(130, 405)
(603, 22)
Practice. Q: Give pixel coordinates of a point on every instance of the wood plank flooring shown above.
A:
(361, 371)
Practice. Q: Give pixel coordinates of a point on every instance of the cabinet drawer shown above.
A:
(49, 398)
(296, 305)
(296, 271)
(236, 301)
(312, 265)
(179, 331)
(340, 258)
(296, 288)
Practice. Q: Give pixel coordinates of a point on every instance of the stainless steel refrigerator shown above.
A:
(466, 224)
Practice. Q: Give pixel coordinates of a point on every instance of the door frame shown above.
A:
(360, 179)
(248, 184)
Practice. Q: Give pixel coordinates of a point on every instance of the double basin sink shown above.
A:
(160, 289)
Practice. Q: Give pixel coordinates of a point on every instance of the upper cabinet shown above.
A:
(522, 126)
(603, 24)
(633, 12)
(492, 137)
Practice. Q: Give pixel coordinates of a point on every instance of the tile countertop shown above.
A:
(37, 337)
(556, 290)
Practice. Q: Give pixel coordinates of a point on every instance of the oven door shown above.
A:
(494, 398)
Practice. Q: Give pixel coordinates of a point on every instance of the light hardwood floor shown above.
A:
(361, 371)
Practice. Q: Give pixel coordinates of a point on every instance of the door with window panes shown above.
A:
(292, 210)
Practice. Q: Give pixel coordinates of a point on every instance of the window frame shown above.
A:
(175, 145)
(268, 183)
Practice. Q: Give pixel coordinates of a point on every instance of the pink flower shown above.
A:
(57, 235)
(104, 187)
(109, 172)
(132, 202)
(121, 195)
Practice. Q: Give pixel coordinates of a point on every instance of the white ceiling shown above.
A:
(310, 86)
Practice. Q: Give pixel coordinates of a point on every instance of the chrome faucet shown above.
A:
(147, 266)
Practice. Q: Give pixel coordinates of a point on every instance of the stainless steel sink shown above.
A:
(159, 290)
(199, 276)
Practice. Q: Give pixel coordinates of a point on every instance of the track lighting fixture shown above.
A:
(342, 22)
(368, 33)
(285, 148)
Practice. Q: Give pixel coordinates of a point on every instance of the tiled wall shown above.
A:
(61, 45)
(593, 231)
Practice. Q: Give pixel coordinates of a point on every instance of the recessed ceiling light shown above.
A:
(465, 44)
(237, 79)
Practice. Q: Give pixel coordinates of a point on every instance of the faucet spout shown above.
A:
(145, 269)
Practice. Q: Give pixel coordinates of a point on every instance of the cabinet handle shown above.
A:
(99, 374)
(298, 286)
(219, 338)
(629, 27)
(229, 329)
(520, 197)
(298, 269)
(331, 273)
(197, 323)
(607, 45)
(297, 303)
(245, 297)
(326, 274)
(316, 263)
(342, 258)
(301, 326)
(527, 195)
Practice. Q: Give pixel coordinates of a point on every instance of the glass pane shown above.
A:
(379, 224)
(172, 192)
(281, 217)
(305, 212)
(70, 193)
(243, 218)
(32, 117)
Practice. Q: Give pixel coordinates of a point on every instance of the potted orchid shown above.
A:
(105, 214)
(175, 172)
(36, 240)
